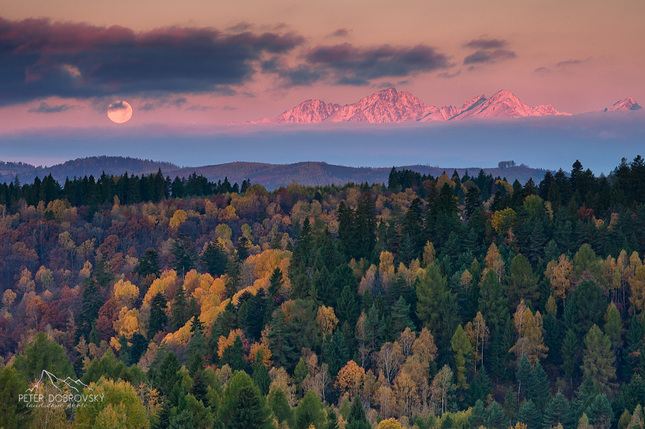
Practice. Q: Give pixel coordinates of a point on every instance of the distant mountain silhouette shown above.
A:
(271, 176)
(80, 167)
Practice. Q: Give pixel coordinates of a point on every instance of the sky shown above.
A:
(195, 66)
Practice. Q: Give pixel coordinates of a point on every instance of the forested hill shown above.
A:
(80, 167)
(447, 302)
(271, 176)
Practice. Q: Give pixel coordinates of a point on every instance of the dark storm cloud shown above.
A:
(485, 44)
(353, 65)
(45, 107)
(39, 58)
(489, 56)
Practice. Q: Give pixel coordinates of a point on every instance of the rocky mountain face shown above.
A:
(392, 106)
(504, 104)
(308, 112)
(626, 104)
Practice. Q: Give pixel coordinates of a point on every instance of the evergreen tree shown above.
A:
(214, 259)
(522, 284)
(12, 384)
(164, 372)
(158, 318)
(633, 343)
(183, 254)
(149, 264)
(280, 406)
(233, 355)
(332, 420)
(571, 355)
(598, 360)
(557, 411)
(243, 246)
(495, 417)
(347, 309)
(538, 387)
(480, 387)
(335, 352)
(430, 292)
(196, 349)
(275, 283)
(492, 303)
(43, 353)
(530, 415)
(401, 316)
(523, 377)
(309, 412)
(599, 412)
(462, 352)
(232, 276)
(261, 376)
(180, 310)
(477, 416)
(282, 341)
(356, 418)
(243, 406)
(91, 302)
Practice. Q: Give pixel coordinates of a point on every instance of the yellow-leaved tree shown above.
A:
(178, 218)
(559, 274)
(121, 407)
(530, 342)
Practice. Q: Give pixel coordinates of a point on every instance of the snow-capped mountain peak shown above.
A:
(625, 104)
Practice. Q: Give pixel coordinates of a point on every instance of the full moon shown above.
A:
(119, 111)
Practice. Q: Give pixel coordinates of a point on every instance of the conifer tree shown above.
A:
(243, 406)
(280, 406)
(557, 411)
(598, 361)
(462, 353)
(530, 415)
(180, 310)
(158, 318)
(356, 418)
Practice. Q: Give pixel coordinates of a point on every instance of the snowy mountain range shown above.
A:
(392, 106)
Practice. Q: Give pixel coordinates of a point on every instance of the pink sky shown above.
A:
(577, 55)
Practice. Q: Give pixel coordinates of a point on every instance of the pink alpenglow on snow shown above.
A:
(626, 104)
(392, 106)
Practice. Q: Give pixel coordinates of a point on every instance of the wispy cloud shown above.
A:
(488, 51)
(562, 65)
(45, 107)
(484, 43)
(341, 32)
(493, 56)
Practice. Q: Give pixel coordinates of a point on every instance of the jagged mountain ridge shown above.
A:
(392, 106)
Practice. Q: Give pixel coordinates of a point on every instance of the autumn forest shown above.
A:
(425, 302)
